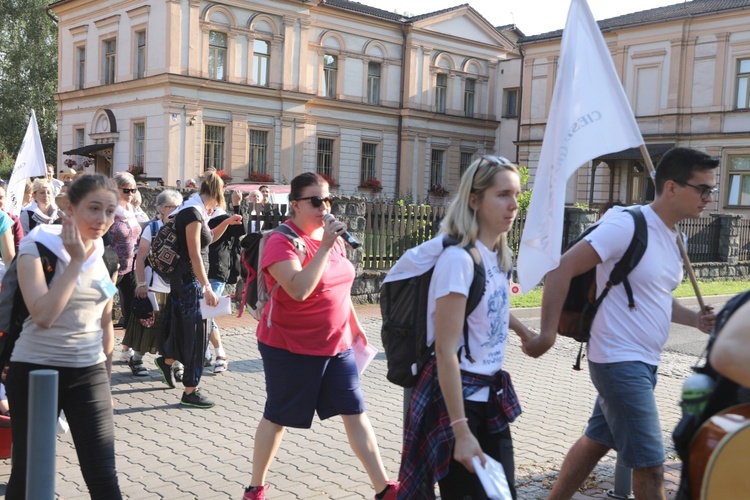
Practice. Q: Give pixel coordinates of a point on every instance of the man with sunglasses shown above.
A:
(626, 344)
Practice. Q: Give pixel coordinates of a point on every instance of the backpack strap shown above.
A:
(299, 247)
(476, 291)
(623, 267)
(49, 262)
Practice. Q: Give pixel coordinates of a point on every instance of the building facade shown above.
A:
(273, 88)
(686, 71)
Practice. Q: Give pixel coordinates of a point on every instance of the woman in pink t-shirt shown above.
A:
(305, 336)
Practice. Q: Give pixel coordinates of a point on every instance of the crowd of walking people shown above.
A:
(464, 402)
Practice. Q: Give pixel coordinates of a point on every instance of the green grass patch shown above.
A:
(707, 288)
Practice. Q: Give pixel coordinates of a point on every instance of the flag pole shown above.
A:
(680, 243)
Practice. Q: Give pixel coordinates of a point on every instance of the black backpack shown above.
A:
(582, 303)
(403, 306)
(13, 310)
(724, 394)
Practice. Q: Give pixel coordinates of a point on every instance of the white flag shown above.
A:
(30, 162)
(589, 116)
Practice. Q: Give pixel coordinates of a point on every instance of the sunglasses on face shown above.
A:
(317, 201)
(128, 190)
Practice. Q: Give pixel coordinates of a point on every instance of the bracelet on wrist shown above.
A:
(458, 421)
(141, 283)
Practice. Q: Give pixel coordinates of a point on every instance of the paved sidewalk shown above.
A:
(166, 451)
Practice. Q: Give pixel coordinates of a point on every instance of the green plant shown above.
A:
(331, 180)
(7, 162)
(525, 197)
(136, 171)
(584, 206)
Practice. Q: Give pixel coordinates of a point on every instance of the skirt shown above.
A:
(147, 336)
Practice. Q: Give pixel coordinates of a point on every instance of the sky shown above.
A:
(523, 13)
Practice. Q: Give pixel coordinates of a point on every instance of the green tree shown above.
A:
(525, 197)
(28, 74)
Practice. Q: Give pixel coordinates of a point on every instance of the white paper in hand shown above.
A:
(152, 299)
(223, 308)
(493, 478)
(363, 355)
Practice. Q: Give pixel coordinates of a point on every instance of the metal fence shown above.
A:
(390, 230)
(744, 226)
(702, 238)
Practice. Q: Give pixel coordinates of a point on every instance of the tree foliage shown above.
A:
(28, 74)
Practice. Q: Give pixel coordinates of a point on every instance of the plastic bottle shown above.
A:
(695, 393)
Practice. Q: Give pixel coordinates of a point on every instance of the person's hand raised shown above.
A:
(72, 241)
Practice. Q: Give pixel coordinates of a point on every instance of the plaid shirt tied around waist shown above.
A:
(428, 436)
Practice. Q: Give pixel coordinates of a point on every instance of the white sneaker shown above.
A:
(220, 365)
(126, 355)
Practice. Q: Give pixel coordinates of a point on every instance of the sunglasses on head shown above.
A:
(494, 160)
(317, 201)
(129, 190)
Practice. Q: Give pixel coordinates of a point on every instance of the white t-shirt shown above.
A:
(619, 334)
(158, 284)
(488, 323)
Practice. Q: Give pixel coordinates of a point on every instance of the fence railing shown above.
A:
(390, 230)
(744, 236)
(703, 238)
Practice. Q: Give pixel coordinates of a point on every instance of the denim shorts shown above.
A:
(625, 416)
(218, 288)
(298, 385)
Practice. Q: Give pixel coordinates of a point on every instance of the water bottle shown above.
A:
(695, 393)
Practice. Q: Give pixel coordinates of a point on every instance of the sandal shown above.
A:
(178, 371)
(137, 368)
(221, 364)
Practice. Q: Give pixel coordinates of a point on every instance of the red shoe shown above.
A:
(391, 493)
(256, 492)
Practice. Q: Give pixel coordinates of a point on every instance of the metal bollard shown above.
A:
(623, 482)
(42, 440)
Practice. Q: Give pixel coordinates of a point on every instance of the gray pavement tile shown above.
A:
(165, 451)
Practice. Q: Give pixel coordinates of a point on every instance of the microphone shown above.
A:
(347, 237)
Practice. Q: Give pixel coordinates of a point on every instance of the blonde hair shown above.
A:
(41, 183)
(213, 187)
(460, 221)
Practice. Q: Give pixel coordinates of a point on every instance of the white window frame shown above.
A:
(368, 161)
(109, 61)
(465, 160)
(330, 75)
(470, 90)
(258, 151)
(742, 84)
(138, 158)
(80, 66)
(211, 144)
(437, 167)
(217, 53)
(373, 82)
(735, 179)
(261, 77)
(441, 92)
(325, 159)
(507, 111)
(139, 47)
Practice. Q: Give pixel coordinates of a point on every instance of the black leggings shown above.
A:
(85, 396)
(462, 484)
(126, 285)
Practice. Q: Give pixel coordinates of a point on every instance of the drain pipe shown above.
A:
(399, 138)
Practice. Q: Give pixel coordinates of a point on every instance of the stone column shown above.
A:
(576, 221)
(729, 237)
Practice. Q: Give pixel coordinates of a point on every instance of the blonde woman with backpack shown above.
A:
(464, 401)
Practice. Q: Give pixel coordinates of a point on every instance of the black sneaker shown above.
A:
(196, 400)
(165, 370)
